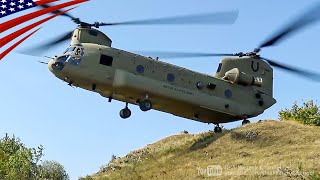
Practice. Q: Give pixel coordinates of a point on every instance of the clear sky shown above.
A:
(81, 130)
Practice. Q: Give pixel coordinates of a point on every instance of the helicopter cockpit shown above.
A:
(75, 50)
(69, 50)
(72, 55)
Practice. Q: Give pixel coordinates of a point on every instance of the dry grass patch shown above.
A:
(268, 149)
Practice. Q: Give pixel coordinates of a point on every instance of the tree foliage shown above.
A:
(308, 113)
(20, 162)
(52, 170)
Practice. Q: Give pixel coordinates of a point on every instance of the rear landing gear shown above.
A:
(245, 121)
(145, 105)
(217, 129)
(125, 113)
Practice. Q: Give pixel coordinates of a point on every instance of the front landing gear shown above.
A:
(125, 113)
(217, 129)
(245, 121)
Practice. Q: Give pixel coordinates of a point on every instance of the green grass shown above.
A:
(268, 150)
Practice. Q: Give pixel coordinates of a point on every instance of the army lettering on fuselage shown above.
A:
(178, 90)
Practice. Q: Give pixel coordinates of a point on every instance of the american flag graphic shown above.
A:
(9, 7)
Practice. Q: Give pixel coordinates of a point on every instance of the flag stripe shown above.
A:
(10, 37)
(42, 2)
(17, 44)
(14, 22)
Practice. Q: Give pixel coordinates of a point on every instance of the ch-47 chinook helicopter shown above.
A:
(241, 88)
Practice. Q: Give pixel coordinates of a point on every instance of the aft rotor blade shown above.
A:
(228, 17)
(163, 54)
(301, 22)
(304, 73)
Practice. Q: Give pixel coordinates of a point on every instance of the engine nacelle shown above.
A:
(237, 77)
(249, 71)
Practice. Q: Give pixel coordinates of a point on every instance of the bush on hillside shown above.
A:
(19, 162)
(308, 113)
(52, 170)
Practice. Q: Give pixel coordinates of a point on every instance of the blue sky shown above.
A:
(81, 130)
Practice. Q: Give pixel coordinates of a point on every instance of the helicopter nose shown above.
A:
(50, 63)
(56, 65)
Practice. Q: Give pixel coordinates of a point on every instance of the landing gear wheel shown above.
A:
(125, 113)
(145, 105)
(244, 122)
(217, 129)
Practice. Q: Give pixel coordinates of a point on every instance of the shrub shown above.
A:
(314, 176)
(86, 178)
(19, 162)
(52, 170)
(308, 113)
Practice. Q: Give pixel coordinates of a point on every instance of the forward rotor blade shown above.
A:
(66, 36)
(41, 62)
(74, 19)
(163, 54)
(43, 47)
(304, 20)
(228, 17)
(304, 73)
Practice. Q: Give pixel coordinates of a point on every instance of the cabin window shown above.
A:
(140, 69)
(106, 60)
(171, 77)
(219, 67)
(228, 93)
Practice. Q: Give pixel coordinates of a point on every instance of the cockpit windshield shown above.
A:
(62, 59)
(60, 62)
(72, 54)
(69, 50)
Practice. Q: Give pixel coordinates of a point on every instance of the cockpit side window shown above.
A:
(78, 52)
(77, 55)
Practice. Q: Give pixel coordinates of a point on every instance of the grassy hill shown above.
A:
(267, 149)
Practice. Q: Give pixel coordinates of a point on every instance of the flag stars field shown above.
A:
(8, 7)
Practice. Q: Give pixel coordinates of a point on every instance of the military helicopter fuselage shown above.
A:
(241, 88)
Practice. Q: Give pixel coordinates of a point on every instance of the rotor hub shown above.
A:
(251, 54)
